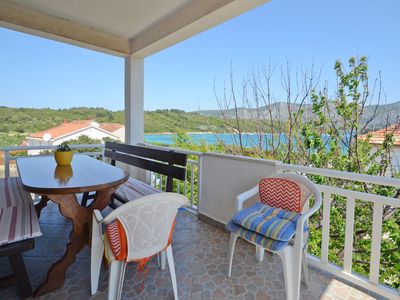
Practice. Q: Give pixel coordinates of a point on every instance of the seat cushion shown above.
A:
(133, 189)
(259, 239)
(116, 239)
(282, 193)
(271, 222)
(12, 193)
(18, 219)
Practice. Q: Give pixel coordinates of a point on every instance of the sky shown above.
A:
(36, 72)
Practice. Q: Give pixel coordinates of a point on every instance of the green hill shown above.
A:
(16, 123)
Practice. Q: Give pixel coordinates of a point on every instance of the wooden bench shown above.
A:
(168, 163)
(19, 226)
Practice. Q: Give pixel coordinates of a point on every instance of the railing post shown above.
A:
(185, 182)
(191, 184)
(348, 238)
(6, 164)
(199, 183)
(376, 243)
(326, 222)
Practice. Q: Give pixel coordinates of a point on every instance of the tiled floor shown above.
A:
(200, 261)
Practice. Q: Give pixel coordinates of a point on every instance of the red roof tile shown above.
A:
(63, 129)
(377, 137)
(111, 127)
(70, 127)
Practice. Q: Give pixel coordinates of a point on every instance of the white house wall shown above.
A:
(223, 177)
(93, 133)
(120, 133)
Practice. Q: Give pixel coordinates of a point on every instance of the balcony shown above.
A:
(135, 32)
(201, 242)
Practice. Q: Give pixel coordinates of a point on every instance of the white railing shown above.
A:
(160, 181)
(8, 157)
(188, 187)
(379, 202)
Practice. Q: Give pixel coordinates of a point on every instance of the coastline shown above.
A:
(198, 132)
(194, 132)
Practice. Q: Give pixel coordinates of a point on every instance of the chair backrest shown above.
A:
(169, 163)
(147, 223)
(287, 191)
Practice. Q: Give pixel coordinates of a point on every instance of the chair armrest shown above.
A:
(243, 197)
(302, 220)
(97, 216)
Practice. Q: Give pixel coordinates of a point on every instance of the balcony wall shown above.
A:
(223, 177)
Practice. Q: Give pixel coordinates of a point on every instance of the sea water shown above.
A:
(249, 139)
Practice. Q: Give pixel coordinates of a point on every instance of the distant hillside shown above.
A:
(16, 123)
(387, 113)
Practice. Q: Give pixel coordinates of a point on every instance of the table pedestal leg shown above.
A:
(42, 204)
(81, 218)
(56, 275)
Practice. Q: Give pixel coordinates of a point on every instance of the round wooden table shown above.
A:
(42, 176)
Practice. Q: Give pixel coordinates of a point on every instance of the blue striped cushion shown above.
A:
(255, 237)
(270, 222)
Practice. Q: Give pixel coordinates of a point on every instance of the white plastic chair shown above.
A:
(293, 254)
(147, 223)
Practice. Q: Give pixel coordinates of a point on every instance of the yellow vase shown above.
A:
(63, 158)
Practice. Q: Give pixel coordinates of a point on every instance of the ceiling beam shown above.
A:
(197, 16)
(19, 18)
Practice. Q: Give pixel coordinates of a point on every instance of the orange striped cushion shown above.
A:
(117, 240)
(18, 219)
(280, 193)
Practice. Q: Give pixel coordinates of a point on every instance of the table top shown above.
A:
(41, 175)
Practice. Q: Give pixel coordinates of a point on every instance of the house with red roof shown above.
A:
(73, 130)
(377, 137)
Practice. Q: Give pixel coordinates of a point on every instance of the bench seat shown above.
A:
(18, 219)
(133, 189)
(19, 225)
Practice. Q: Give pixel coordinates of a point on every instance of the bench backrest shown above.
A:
(169, 163)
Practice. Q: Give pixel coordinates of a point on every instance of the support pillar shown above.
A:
(134, 100)
(134, 108)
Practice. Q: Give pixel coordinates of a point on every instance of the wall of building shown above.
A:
(91, 132)
(120, 133)
(223, 177)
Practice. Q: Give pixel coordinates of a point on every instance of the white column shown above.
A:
(134, 100)
(134, 108)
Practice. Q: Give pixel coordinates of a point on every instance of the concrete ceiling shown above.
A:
(120, 27)
(126, 18)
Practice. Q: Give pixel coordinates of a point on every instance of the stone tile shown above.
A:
(200, 252)
(56, 231)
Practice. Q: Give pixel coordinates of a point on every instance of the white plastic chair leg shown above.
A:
(306, 275)
(116, 279)
(171, 265)
(291, 261)
(260, 253)
(96, 256)
(232, 244)
(162, 260)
